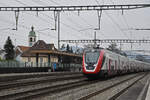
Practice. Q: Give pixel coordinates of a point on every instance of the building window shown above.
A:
(41, 60)
(29, 59)
(30, 39)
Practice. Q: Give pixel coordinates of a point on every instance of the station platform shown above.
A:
(148, 90)
(15, 76)
(145, 93)
(34, 73)
(139, 91)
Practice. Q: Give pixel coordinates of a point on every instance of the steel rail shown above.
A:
(50, 90)
(109, 87)
(125, 89)
(44, 91)
(48, 79)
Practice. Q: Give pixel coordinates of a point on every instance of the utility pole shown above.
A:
(131, 46)
(17, 17)
(95, 39)
(120, 46)
(131, 42)
(58, 13)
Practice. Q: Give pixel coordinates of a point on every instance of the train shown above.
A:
(105, 63)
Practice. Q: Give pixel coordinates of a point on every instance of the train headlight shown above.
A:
(94, 65)
(85, 64)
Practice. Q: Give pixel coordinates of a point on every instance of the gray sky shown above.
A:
(114, 25)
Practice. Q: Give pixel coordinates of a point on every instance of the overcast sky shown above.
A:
(114, 25)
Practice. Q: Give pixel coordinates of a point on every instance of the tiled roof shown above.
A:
(55, 52)
(39, 45)
(20, 49)
(29, 54)
(23, 48)
(42, 48)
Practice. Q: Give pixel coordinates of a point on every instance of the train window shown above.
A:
(91, 57)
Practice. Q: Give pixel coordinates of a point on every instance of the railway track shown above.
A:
(44, 91)
(56, 86)
(34, 81)
(103, 91)
(81, 91)
(20, 88)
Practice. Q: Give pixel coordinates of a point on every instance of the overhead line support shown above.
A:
(99, 13)
(16, 17)
(75, 8)
(107, 41)
(58, 12)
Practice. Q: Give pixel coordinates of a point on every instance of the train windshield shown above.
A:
(91, 57)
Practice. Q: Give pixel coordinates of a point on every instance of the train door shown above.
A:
(123, 67)
(118, 70)
(109, 69)
(116, 67)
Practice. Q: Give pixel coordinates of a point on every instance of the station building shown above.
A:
(39, 53)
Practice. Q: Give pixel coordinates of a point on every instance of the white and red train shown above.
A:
(102, 62)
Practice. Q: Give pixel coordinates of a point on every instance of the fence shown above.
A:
(50, 67)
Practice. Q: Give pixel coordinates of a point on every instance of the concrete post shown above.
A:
(37, 59)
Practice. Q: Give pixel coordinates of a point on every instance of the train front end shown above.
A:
(92, 62)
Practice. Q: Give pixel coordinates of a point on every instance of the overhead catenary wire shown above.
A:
(38, 17)
(20, 38)
(64, 23)
(75, 14)
(124, 18)
(68, 26)
(3, 31)
(25, 28)
(113, 20)
(91, 26)
(41, 3)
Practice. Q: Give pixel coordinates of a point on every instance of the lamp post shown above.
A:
(57, 27)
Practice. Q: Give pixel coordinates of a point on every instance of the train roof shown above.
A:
(119, 54)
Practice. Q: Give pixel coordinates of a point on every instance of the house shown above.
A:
(2, 54)
(42, 53)
(45, 54)
(30, 57)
